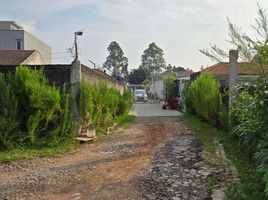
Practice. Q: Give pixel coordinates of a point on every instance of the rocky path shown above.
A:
(154, 158)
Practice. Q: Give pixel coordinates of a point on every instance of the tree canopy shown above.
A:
(152, 60)
(116, 61)
(137, 76)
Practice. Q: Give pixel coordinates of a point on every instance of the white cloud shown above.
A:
(179, 27)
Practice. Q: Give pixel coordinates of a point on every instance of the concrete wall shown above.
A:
(60, 74)
(10, 25)
(8, 39)
(33, 43)
(94, 76)
(34, 59)
(157, 87)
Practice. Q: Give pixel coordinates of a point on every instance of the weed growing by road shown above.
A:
(250, 184)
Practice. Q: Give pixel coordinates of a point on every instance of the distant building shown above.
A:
(21, 57)
(157, 86)
(13, 37)
(220, 71)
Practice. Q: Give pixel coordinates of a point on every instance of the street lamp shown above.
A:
(75, 42)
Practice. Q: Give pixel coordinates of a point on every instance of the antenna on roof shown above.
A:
(94, 64)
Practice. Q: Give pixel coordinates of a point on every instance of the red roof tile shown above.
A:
(244, 68)
(14, 57)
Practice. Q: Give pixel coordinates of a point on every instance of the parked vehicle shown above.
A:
(140, 96)
(174, 103)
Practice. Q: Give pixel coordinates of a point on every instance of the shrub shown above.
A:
(203, 98)
(99, 105)
(39, 114)
(250, 119)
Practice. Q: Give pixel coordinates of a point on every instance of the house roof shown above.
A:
(243, 68)
(14, 57)
(180, 71)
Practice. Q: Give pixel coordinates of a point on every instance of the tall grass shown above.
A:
(33, 113)
(100, 105)
(203, 98)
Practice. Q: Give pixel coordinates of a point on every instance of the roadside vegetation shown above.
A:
(246, 140)
(250, 185)
(243, 131)
(36, 118)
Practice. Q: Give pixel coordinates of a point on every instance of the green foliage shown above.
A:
(99, 105)
(224, 116)
(203, 98)
(250, 185)
(250, 121)
(32, 112)
(116, 61)
(9, 116)
(170, 85)
(153, 60)
(137, 76)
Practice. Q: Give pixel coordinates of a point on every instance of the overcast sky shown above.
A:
(179, 27)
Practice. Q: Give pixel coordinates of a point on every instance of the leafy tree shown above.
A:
(116, 61)
(152, 60)
(170, 85)
(250, 50)
(137, 76)
(169, 67)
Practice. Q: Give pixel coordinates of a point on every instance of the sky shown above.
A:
(178, 27)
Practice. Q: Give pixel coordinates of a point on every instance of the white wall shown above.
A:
(33, 43)
(158, 88)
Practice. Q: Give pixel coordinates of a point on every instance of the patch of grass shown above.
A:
(206, 133)
(122, 122)
(250, 185)
(29, 153)
(125, 120)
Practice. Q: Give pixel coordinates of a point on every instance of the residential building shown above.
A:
(221, 71)
(21, 57)
(13, 37)
(157, 87)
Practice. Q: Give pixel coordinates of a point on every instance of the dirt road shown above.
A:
(154, 158)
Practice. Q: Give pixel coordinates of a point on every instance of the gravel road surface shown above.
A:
(157, 157)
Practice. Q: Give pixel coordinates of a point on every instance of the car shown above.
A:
(140, 96)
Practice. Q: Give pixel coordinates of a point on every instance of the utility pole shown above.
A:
(75, 42)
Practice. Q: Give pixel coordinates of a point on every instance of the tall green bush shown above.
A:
(33, 113)
(100, 105)
(203, 98)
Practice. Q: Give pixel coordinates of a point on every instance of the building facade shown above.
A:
(13, 37)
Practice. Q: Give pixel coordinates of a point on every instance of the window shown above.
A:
(18, 44)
